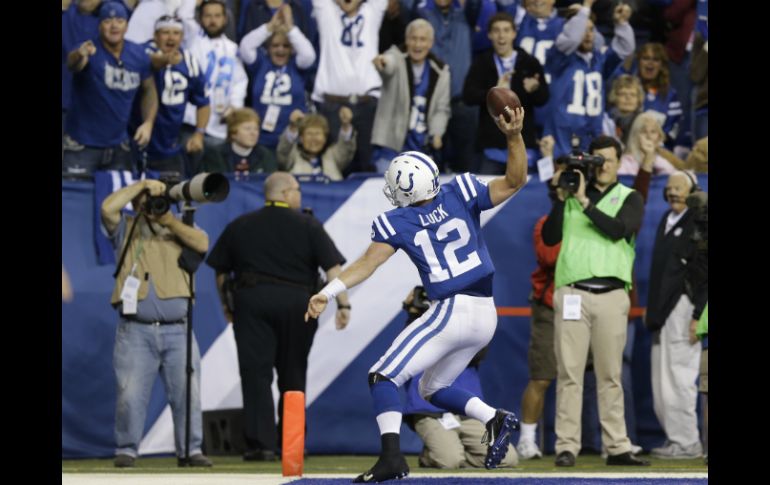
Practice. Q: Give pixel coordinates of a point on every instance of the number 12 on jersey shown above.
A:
(456, 268)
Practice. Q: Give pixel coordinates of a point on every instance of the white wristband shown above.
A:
(334, 288)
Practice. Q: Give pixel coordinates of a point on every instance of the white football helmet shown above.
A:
(411, 177)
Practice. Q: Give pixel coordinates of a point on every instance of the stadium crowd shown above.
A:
(328, 88)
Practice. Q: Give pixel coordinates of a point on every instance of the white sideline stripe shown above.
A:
(174, 479)
(275, 479)
(332, 350)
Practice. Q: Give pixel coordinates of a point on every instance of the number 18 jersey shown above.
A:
(443, 239)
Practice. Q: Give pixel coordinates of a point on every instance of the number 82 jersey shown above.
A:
(443, 238)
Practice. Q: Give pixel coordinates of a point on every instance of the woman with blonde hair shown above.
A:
(650, 64)
(624, 103)
(644, 149)
(305, 148)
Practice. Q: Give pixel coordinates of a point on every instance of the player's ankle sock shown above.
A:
(528, 432)
(478, 409)
(389, 422)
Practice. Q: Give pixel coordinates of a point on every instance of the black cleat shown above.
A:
(498, 436)
(387, 468)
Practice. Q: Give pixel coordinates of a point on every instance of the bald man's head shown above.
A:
(678, 188)
(283, 187)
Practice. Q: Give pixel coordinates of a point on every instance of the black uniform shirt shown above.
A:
(277, 242)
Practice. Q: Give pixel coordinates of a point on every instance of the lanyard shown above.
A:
(275, 203)
(499, 64)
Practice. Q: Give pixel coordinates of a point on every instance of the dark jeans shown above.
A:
(83, 160)
(363, 120)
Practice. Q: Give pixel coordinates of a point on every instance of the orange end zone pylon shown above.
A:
(293, 448)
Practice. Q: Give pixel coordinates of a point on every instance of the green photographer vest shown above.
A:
(586, 252)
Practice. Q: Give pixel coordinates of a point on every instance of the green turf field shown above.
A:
(353, 465)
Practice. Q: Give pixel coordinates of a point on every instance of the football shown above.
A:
(498, 98)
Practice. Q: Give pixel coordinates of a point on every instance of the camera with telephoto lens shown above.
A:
(204, 187)
(577, 161)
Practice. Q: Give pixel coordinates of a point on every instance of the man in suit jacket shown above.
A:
(508, 67)
(672, 307)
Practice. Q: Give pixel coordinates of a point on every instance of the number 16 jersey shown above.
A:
(443, 239)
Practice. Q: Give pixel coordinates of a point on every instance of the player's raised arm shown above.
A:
(376, 254)
(501, 188)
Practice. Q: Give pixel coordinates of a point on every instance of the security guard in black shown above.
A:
(268, 261)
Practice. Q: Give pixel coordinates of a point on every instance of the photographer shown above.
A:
(151, 293)
(677, 295)
(450, 440)
(595, 218)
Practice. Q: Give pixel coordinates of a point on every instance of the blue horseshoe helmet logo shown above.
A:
(411, 182)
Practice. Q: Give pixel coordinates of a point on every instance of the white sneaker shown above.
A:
(635, 450)
(675, 451)
(528, 450)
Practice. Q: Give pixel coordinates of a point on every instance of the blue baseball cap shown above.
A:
(113, 10)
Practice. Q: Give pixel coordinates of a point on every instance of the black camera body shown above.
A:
(204, 187)
(577, 161)
(157, 205)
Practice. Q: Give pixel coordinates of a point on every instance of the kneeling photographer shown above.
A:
(595, 218)
(152, 293)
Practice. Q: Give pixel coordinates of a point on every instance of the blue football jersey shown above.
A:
(576, 104)
(536, 37)
(443, 238)
(282, 87)
(76, 28)
(103, 94)
(177, 85)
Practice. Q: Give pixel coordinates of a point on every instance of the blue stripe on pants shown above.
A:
(424, 340)
(412, 335)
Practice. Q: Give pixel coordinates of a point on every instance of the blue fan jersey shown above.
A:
(536, 37)
(76, 28)
(443, 239)
(576, 105)
(176, 85)
(283, 87)
(103, 93)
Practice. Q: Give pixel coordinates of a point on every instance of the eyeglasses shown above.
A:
(297, 188)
